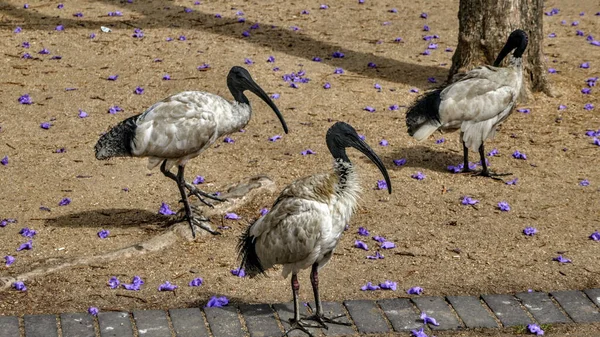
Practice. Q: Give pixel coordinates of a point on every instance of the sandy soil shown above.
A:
(442, 246)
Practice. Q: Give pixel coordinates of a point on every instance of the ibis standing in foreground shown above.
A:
(306, 221)
(475, 102)
(180, 127)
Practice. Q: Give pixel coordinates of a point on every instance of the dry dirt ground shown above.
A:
(441, 245)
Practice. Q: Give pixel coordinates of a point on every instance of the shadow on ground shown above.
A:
(114, 217)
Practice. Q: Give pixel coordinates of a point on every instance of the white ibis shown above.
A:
(180, 127)
(307, 220)
(475, 102)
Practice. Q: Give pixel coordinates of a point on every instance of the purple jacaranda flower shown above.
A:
(415, 291)
(393, 10)
(264, 211)
(561, 259)
(387, 245)
(246, 33)
(27, 232)
(115, 13)
(135, 284)
(82, 114)
(535, 329)
(92, 35)
(323, 7)
(562, 107)
(138, 33)
(338, 55)
(307, 152)
(305, 12)
(218, 16)
(232, 216)
(361, 245)
(393, 107)
(255, 26)
(377, 256)
(103, 234)
(138, 90)
(112, 77)
(584, 182)
(381, 185)
(512, 182)
(217, 302)
(399, 162)
(369, 286)
(595, 43)
(169, 39)
(203, 66)
(25, 246)
(379, 238)
(93, 311)
(64, 202)
(524, 110)
(503, 206)
(388, 285)
(167, 286)
(362, 137)
(551, 35)
(432, 46)
(228, 140)
(469, 201)
(60, 150)
(594, 236)
(596, 141)
(493, 153)
(371, 65)
(440, 141)
(459, 167)
(275, 96)
(248, 61)
(166, 77)
(165, 210)
(369, 109)
(327, 85)
(530, 231)
(398, 40)
(19, 285)
(586, 91)
(418, 333)
(45, 209)
(274, 138)
(431, 80)
(196, 282)
(239, 272)
(198, 180)
(271, 59)
(363, 231)
(182, 38)
(78, 15)
(584, 65)
(423, 15)
(426, 52)
(316, 59)
(114, 109)
(414, 90)
(56, 57)
(114, 282)
(188, 10)
(25, 99)
(338, 71)
(579, 33)
(428, 320)
(10, 260)
(27, 56)
(419, 176)
(552, 71)
(60, 28)
(25, 45)
(519, 155)
(588, 106)
(4, 161)
(591, 82)
(426, 28)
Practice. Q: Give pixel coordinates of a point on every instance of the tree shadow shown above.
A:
(424, 157)
(114, 217)
(277, 38)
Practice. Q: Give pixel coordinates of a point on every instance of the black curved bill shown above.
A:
(363, 147)
(252, 86)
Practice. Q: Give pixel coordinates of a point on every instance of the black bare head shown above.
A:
(516, 40)
(342, 135)
(239, 80)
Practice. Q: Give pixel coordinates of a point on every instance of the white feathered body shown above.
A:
(307, 221)
(476, 103)
(181, 126)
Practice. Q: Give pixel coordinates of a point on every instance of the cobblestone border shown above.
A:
(366, 316)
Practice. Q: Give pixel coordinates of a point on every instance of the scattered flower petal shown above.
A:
(217, 302)
(167, 286)
(369, 286)
(530, 231)
(415, 291)
(360, 244)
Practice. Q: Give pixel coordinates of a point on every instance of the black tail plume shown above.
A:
(118, 141)
(426, 108)
(247, 254)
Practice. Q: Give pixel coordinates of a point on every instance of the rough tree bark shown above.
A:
(484, 27)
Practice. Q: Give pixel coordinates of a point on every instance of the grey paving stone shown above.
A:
(285, 311)
(472, 312)
(40, 326)
(115, 324)
(77, 325)
(152, 323)
(401, 313)
(188, 322)
(437, 308)
(224, 322)
(543, 309)
(577, 305)
(507, 309)
(594, 295)
(9, 326)
(260, 320)
(332, 309)
(367, 317)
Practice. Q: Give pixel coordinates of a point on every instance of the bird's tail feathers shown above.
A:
(247, 254)
(423, 118)
(117, 142)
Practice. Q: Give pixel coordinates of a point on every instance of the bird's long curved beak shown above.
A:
(252, 86)
(367, 151)
(507, 49)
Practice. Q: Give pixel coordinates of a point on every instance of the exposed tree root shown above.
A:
(237, 195)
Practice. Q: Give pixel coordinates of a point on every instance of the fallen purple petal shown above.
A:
(239, 272)
(399, 162)
(103, 234)
(217, 302)
(4, 161)
(135, 284)
(469, 201)
(535, 329)
(25, 99)
(93, 311)
(388, 285)
(415, 291)
(19, 285)
(165, 210)
(418, 333)
(512, 182)
(530, 231)
(369, 286)
(167, 286)
(25, 246)
(274, 138)
(388, 245)
(519, 155)
(10, 260)
(228, 140)
(383, 142)
(369, 109)
(64, 202)
(361, 245)
(307, 152)
(232, 216)
(584, 182)
(377, 256)
(594, 236)
(503, 206)
(419, 176)
(113, 282)
(428, 320)
(27, 232)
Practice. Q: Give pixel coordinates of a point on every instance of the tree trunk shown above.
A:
(484, 27)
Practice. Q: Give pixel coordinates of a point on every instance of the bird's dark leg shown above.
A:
(465, 156)
(199, 194)
(485, 172)
(319, 316)
(296, 323)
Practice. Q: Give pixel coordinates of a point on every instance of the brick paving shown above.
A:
(260, 320)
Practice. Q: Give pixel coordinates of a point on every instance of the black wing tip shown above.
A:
(247, 254)
(425, 108)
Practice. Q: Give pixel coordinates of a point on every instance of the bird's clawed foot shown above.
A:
(490, 174)
(322, 319)
(201, 195)
(300, 325)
